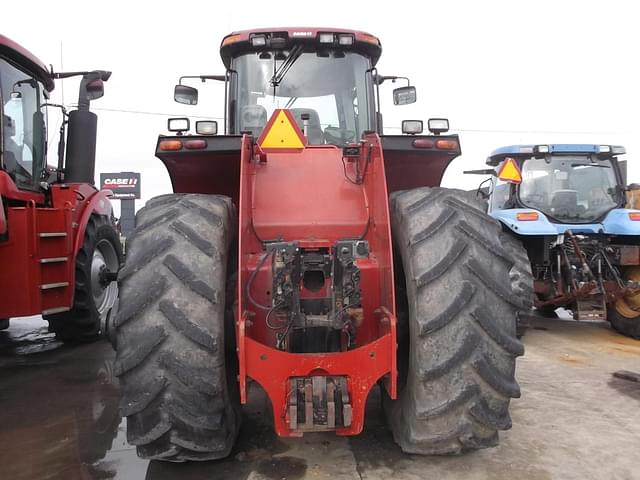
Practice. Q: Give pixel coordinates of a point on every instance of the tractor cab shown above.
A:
(326, 79)
(568, 184)
(22, 132)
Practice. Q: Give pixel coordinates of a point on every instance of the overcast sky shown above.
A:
(503, 72)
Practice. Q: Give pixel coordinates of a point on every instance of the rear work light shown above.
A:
(258, 41)
(170, 145)
(618, 150)
(412, 127)
(325, 37)
(438, 125)
(635, 216)
(345, 39)
(527, 216)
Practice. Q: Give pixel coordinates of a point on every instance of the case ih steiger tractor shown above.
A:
(580, 225)
(306, 251)
(59, 250)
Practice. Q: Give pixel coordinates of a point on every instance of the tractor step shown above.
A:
(591, 308)
(319, 403)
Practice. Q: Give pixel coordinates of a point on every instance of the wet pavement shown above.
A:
(59, 420)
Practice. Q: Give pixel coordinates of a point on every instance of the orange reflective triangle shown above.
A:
(281, 133)
(509, 171)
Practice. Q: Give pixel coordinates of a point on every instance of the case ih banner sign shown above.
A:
(123, 184)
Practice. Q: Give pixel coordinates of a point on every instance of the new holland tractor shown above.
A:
(311, 254)
(570, 207)
(59, 249)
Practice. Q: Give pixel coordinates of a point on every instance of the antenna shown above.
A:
(62, 70)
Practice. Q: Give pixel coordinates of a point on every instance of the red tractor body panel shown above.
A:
(42, 240)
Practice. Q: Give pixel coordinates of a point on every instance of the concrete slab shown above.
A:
(575, 420)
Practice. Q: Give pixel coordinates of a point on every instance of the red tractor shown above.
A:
(59, 249)
(306, 251)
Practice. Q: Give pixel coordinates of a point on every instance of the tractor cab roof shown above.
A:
(316, 39)
(541, 150)
(21, 56)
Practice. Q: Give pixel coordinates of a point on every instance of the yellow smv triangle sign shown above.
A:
(510, 171)
(281, 132)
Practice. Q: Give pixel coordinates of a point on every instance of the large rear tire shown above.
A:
(624, 314)
(175, 358)
(466, 282)
(95, 293)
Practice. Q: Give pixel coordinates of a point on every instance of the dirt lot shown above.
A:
(574, 421)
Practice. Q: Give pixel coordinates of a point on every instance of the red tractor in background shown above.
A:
(307, 251)
(59, 249)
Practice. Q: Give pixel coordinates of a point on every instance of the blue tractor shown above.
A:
(580, 224)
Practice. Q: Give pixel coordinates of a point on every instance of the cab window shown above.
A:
(22, 126)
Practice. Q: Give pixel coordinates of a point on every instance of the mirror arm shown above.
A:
(203, 78)
(488, 171)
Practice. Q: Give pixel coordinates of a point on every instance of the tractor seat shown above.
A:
(314, 129)
(565, 202)
(253, 118)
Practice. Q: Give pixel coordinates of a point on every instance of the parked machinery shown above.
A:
(310, 253)
(59, 250)
(580, 224)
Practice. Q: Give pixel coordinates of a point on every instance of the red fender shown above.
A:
(95, 201)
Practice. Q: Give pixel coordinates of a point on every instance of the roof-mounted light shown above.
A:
(258, 40)
(325, 37)
(527, 149)
(542, 148)
(604, 149)
(618, 150)
(345, 39)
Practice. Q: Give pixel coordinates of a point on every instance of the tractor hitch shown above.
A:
(319, 403)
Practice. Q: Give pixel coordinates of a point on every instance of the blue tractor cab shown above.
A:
(571, 208)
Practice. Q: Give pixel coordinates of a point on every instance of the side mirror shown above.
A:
(186, 95)
(207, 127)
(404, 95)
(94, 89)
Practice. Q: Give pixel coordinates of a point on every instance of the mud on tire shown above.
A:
(465, 282)
(92, 304)
(179, 393)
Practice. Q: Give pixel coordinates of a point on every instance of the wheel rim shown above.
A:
(629, 306)
(104, 292)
